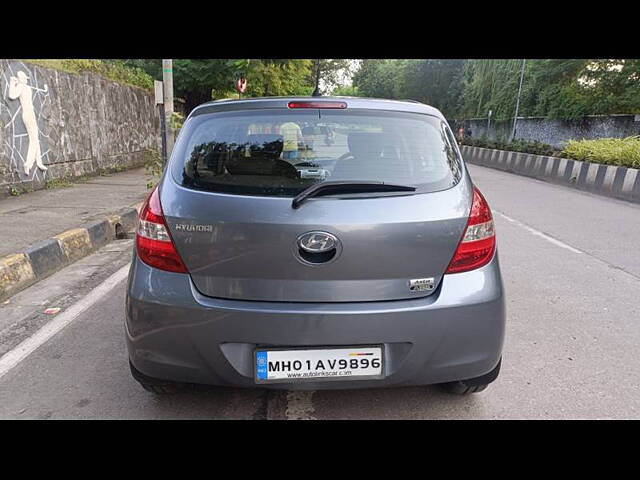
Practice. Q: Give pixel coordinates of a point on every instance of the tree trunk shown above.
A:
(196, 97)
(316, 92)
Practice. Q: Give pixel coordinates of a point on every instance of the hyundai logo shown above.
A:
(317, 242)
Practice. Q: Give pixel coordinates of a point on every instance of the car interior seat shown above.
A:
(372, 156)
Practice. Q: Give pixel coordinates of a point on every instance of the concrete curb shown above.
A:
(20, 270)
(608, 180)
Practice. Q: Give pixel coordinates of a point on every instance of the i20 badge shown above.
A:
(422, 284)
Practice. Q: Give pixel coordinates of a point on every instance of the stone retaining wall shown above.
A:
(61, 125)
(556, 132)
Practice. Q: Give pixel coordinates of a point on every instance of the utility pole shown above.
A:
(489, 122)
(167, 80)
(159, 98)
(515, 117)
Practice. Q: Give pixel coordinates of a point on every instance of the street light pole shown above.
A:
(167, 80)
(515, 117)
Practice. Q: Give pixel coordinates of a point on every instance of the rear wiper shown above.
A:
(331, 188)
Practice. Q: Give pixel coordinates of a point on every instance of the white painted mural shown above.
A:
(24, 99)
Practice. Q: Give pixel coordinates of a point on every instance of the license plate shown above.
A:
(355, 363)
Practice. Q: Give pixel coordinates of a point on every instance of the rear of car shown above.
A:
(315, 243)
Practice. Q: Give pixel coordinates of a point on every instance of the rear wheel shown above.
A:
(155, 385)
(460, 388)
(472, 385)
(166, 389)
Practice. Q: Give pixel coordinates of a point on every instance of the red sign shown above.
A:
(241, 85)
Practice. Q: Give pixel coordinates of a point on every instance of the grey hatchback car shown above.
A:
(315, 243)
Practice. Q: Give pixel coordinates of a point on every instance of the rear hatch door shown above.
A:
(228, 204)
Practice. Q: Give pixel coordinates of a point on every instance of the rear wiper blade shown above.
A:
(331, 188)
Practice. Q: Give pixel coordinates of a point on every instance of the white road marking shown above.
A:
(28, 346)
(539, 233)
(299, 405)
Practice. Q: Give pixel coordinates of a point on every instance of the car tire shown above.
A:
(166, 389)
(155, 385)
(472, 385)
(460, 388)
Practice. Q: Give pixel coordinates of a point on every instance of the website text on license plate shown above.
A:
(336, 363)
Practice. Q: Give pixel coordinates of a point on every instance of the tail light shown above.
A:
(479, 241)
(153, 241)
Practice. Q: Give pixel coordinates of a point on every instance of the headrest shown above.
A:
(366, 144)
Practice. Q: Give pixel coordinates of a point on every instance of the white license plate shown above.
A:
(355, 363)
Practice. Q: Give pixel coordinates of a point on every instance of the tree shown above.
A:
(434, 82)
(552, 88)
(278, 77)
(379, 78)
(198, 81)
(566, 88)
(328, 73)
(193, 80)
(346, 91)
(613, 85)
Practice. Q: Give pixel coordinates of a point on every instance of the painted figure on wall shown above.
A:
(28, 130)
(20, 89)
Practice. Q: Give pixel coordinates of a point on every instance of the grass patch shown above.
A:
(65, 182)
(114, 70)
(58, 183)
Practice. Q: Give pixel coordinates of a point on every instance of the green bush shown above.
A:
(154, 165)
(114, 70)
(524, 146)
(177, 120)
(346, 91)
(612, 151)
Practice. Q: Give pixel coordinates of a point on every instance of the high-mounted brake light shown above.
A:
(479, 241)
(317, 104)
(153, 241)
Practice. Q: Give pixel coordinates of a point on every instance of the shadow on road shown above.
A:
(428, 402)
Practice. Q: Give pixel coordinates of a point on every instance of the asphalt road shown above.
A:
(571, 267)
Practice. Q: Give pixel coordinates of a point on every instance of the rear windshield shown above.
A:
(282, 152)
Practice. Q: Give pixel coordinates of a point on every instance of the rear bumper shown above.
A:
(175, 333)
